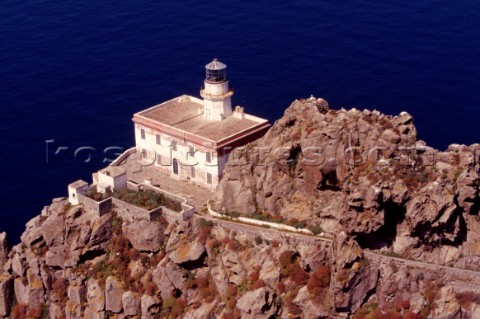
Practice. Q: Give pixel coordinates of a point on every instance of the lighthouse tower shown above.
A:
(217, 104)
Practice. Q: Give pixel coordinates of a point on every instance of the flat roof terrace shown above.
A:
(185, 113)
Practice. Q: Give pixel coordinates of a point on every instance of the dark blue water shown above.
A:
(75, 71)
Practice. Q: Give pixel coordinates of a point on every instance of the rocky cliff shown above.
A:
(364, 173)
(390, 210)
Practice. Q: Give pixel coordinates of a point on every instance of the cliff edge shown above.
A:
(396, 220)
(364, 173)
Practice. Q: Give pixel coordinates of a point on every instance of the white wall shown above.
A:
(167, 155)
(217, 109)
(216, 88)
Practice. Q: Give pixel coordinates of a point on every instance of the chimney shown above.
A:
(239, 112)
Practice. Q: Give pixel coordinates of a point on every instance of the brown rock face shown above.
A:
(95, 296)
(113, 295)
(4, 249)
(130, 303)
(354, 280)
(256, 304)
(144, 235)
(361, 172)
(6, 291)
(360, 175)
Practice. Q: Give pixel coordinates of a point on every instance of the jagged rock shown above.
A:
(18, 266)
(349, 296)
(468, 186)
(22, 292)
(447, 306)
(390, 136)
(73, 311)
(399, 192)
(33, 233)
(219, 276)
(36, 290)
(162, 281)
(188, 252)
(347, 251)
(256, 304)
(353, 282)
(309, 309)
(130, 303)
(113, 295)
(101, 230)
(175, 276)
(150, 306)
(136, 268)
(95, 296)
(4, 249)
(53, 230)
(244, 198)
(55, 258)
(55, 311)
(144, 235)
(204, 311)
(32, 261)
(46, 276)
(92, 314)
(232, 264)
(77, 294)
(6, 295)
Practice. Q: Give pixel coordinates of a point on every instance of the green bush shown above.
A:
(233, 214)
(315, 229)
(147, 199)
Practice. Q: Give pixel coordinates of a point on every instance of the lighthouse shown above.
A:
(217, 103)
(191, 138)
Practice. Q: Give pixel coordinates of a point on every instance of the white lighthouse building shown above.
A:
(216, 92)
(190, 138)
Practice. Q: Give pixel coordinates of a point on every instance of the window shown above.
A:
(191, 150)
(142, 133)
(209, 157)
(209, 178)
(159, 159)
(174, 145)
(144, 154)
(158, 139)
(192, 171)
(207, 113)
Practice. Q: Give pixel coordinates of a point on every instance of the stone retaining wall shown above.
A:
(130, 212)
(99, 208)
(461, 279)
(253, 232)
(260, 222)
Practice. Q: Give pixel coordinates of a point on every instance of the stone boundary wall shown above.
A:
(253, 232)
(187, 210)
(99, 208)
(260, 222)
(462, 279)
(123, 156)
(130, 212)
(173, 216)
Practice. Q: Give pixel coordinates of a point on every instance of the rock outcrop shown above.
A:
(389, 210)
(364, 173)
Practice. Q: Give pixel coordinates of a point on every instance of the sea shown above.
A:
(72, 73)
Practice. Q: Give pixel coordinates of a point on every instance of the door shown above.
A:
(175, 166)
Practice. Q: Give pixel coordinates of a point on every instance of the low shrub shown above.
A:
(315, 229)
(319, 280)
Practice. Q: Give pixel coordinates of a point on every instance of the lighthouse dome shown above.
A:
(216, 72)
